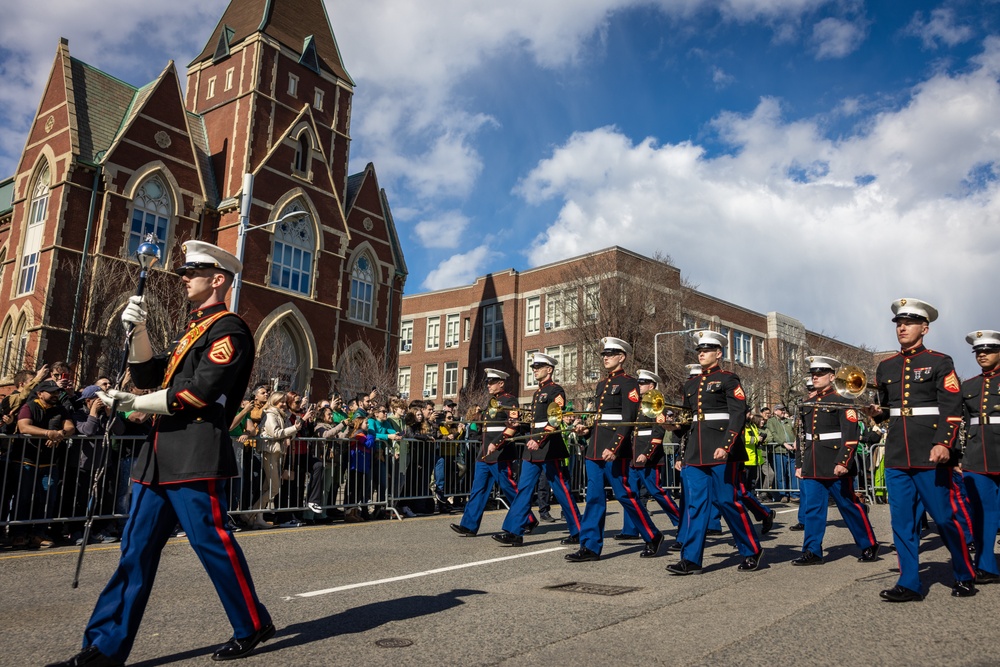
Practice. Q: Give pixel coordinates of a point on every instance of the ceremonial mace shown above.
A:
(148, 254)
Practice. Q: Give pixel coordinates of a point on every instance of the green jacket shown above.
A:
(780, 431)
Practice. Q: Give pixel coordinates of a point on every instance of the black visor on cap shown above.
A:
(910, 316)
(707, 346)
(194, 266)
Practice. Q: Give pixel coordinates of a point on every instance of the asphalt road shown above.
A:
(337, 592)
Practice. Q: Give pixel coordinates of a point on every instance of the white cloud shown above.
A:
(827, 231)
(458, 269)
(443, 231)
(836, 38)
(720, 78)
(939, 29)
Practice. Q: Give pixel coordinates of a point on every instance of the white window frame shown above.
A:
(451, 378)
(210, 91)
(529, 376)
(430, 380)
(556, 353)
(318, 99)
(293, 85)
(406, 336)
(591, 301)
(452, 323)
(229, 78)
(433, 338)
(553, 310)
(742, 347)
(361, 303)
(533, 314)
(31, 251)
(570, 362)
(403, 381)
(156, 214)
(287, 266)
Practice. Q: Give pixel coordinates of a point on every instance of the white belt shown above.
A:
(984, 420)
(913, 412)
(609, 418)
(494, 429)
(711, 416)
(824, 436)
(540, 424)
(644, 432)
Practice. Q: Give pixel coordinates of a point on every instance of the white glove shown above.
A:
(153, 404)
(139, 349)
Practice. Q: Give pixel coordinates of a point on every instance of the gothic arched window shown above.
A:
(151, 212)
(32, 248)
(362, 289)
(292, 252)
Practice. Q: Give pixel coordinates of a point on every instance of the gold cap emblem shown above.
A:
(979, 334)
(902, 302)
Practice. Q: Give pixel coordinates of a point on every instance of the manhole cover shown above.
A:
(592, 589)
(393, 642)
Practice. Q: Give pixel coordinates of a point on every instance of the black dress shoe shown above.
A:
(652, 547)
(238, 648)
(984, 577)
(900, 594)
(623, 537)
(964, 589)
(546, 517)
(676, 546)
(529, 528)
(572, 539)
(582, 556)
(88, 657)
(462, 530)
(808, 558)
(768, 522)
(683, 568)
(750, 563)
(508, 539)
(797, 527)
(713, 531)
(869, 555)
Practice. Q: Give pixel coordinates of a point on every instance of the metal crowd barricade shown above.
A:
(43, 484)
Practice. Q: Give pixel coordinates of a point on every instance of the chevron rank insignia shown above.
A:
(634, 396)
(852, 416)
(951, 383)
(560, 401)
(738, 393)
(221, 351)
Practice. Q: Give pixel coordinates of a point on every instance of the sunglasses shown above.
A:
(611, 353)
(820, 371)
(537, 366)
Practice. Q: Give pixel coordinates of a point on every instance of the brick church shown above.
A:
(105, 163)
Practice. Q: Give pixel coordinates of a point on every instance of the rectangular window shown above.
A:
(533, 314)
(229, 77)
(210, 93)
(433, 333)
(591, 301)
(406, 336)
(318, 100)
(451, 331)
(451, 378)
(556, 353)
(742, 347)
(291, 268)
(403, 382)
(727, 351)
(492, 331)
(468, 329)
(293, 85)
(571, 304)
(570, 376)
(431, 381)
(529, 377)
(553, 310)
(760, 351)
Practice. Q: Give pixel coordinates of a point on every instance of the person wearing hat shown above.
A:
(608, 454)
(826, 467)
(496, 460)
(647, 462)
(179, 474)
(544, 453)
(712, 458)
(981, 463)
(920, 396)
(780, 430)
(36, 462)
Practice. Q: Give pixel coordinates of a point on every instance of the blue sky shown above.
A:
(816, 157)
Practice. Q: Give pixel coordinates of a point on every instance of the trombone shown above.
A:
(653, 405)
(556, 414)
(850, 382)
(494, 408)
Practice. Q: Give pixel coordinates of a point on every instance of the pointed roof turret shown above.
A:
(300, 25)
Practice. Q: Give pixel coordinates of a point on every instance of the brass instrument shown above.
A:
(494, 408)
(849, 382)
(556, 414)
(653, 405)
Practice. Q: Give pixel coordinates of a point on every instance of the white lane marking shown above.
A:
(425, 573)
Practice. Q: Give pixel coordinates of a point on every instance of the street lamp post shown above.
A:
(656, 356)
(244, 227)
